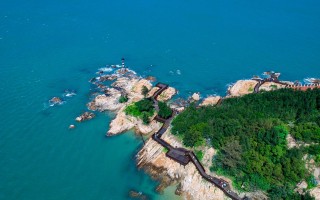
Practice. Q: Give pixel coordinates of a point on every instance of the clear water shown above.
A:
(49, 46)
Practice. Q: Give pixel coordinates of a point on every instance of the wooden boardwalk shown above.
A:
(184, 156)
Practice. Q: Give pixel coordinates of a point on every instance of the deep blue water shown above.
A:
(49, 46)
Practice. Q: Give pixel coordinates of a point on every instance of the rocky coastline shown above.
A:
(152, 158)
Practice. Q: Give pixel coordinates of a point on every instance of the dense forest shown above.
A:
(250, 133)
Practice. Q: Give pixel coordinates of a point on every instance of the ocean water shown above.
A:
(47, 47)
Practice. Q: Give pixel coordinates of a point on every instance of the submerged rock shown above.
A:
(137, 195)
(72, 126)
(55, 100)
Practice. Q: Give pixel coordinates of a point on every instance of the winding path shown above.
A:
(184, 156)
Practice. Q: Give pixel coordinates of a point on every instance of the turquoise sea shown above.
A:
(47, 47)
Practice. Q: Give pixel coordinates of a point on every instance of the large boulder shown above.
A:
(242, 87)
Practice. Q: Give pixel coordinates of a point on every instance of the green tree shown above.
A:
(144, 105)
(164, 110)
(145, 118)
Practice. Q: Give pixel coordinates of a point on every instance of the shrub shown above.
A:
(144, 90)
(123, 99)
(142, 109)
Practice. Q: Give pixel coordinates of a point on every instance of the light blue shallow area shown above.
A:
(49, 46)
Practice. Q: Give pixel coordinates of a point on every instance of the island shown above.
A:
(261, 141)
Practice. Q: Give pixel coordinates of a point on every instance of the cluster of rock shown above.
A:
(85, 116)
(129, 85)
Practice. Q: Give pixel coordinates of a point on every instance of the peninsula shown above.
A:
(258, 142)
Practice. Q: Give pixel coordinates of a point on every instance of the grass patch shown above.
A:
(274, 87)
(250, 89)
(165, 150)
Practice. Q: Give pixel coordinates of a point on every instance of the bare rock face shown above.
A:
(291, 142)
(210, 101)
(109, 101)
(152, 91)
(85, 116)
(301, 186)
(137, 88)
(142, 128)
(242, 87)
(167, 94)
(124, 122)
(315, 192)
(121, 123)
(125, 83)
(152, 158)
(268, 86)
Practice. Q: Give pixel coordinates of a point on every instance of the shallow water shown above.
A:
(47, 47)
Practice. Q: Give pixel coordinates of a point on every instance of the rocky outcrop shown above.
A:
(72, 126)
(106, 102)
(124, 122)
(55, 101)
(210, 101)
(152, 158)
(167, 94)
(242, 87)
(121, 123)
(195, 97)
(85, 116)
(291, 142)
(315, 192)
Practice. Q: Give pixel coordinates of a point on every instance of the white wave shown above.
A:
(311, 80)
(178, 72)
(106, 69)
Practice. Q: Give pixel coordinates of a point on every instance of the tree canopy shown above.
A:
(250, 133)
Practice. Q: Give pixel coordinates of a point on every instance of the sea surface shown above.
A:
(47, 47)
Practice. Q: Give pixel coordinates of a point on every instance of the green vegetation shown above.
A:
(144, 90)
(164, 110)
(165, 150)
(250, 133)
(250, 89)
(311, 180)
(199, 154)
(274, 87)
(142, 109)
(123, 99)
